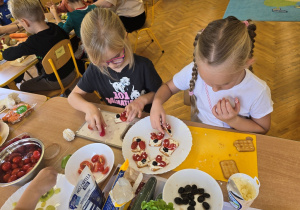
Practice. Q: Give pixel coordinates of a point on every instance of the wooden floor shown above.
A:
(276, 51)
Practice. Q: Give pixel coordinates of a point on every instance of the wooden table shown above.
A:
(278, 159)
(8, 73)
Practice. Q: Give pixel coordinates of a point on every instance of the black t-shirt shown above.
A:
(39, 44)
(123, 87)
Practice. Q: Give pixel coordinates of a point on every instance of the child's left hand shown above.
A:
(135, 108)
(225, 112)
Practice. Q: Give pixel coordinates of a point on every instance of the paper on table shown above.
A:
(25, 62)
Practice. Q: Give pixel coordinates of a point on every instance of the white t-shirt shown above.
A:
(128, 8)
(253, 93)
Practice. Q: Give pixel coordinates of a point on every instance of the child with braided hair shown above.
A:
(224, 92)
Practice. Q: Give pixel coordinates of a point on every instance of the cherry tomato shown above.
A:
(36, 155)
(105, 170)
(144, 155)
(90, 127)
(17, 159)
(25, 167)
(15, 171)
(123, 114)
(79, 170)
(6, 166)
(102, 133)
(26, 161)
(134, 145)
(142, 145)
(6, 177)
(98, 167)
(12, 178)
(102, 159)
(158, 158)
(95, 158)
(123, 118)
(21, 164)
(28, 170)
(33, 160)
(13, 166)
(20, 174)
(153, 136)
(13, 155)
(86, 163)
(162, 163)
(166, 143)
(160, 135)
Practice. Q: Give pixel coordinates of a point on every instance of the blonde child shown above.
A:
(122, 78)
(224, 92)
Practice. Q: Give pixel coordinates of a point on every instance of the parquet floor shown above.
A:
(276, 51)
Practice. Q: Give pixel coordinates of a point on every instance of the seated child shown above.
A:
(122, 78)
(224, 92)
(30, 15)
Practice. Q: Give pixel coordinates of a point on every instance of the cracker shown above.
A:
(244, 145)
(228, 168)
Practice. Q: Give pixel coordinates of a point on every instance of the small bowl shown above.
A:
(86, 153)
(22, 147)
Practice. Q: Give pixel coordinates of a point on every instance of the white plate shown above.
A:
(86, 153)
(4, 131)
(142, 128)
(60, 200)
(199, 178)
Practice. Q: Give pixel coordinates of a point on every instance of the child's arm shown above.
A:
(54, 13)
(135, 108)
(226, 113)
(41, 184)
(157, 113)
(93, 115)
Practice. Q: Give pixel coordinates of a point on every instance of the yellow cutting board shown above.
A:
(212, 146)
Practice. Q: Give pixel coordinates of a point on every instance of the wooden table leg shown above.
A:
(13, 86)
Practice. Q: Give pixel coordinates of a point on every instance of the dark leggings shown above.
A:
(133, 23)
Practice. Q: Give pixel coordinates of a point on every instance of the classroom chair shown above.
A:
(148, 24)
(57, 57)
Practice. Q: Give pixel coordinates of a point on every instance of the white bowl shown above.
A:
(4, 131)
(86, 153)
(190, 177)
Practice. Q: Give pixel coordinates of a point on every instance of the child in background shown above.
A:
(224, 92)
(122, 78)
(30, 15)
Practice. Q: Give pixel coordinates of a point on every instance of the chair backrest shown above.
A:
(57, 57)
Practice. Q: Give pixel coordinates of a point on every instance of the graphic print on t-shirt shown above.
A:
(121, 93)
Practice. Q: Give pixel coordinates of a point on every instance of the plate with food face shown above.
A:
(151, 152)
(56, 197)
(193, 187)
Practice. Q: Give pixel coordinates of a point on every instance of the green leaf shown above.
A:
(157, 205)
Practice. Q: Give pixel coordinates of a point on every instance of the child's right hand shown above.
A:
(94, 118)
(157, 117)
(53, 9)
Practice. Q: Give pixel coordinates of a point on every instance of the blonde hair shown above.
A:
(102, 30)
(221, 40)
(29, 9)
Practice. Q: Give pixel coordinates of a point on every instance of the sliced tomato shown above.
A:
(95, 158)
(160, 135)
(123, 114)
(166, 143)
(86, 163)
(98, 167)
(144, 155)
(142, 145)
(102, 133)
(90, 127)
(158, 158)
(134, 145)
(168, 126)
(123, 118)
(102, 159)
(79, 170)
(136, 157)
(105, 170)
(153, 136)
(162, 163)
(172, 146)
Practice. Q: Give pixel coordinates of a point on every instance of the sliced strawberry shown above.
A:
(142, 145)
(166, 142)
(134, 145)
(160, 135)
(102, 133)
(162, 163)
(158, 158)
(144, 155)
(172, 146)
(153, 136)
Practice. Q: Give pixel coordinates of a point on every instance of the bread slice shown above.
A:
(155, 165)
(168, 148)
(143, 162)
(141, 145)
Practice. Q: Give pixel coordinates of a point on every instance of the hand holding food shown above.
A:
(94, 118)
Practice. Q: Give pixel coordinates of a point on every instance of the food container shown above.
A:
(31, 151)
(17, 138)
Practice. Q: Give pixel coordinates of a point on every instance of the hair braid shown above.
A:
(193, 80)
(251, 30)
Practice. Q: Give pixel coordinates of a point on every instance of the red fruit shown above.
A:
(166, 143)
(26, 161)
(13, 155)
(134, 145)
(29, 169)
(90, 127)
(36, 154)
(17, 159)
(16, 139)
(12, 178)
(25, 137)
(144, 155)
(20, 174)
(172, 146)
(160, 135)
(6, 166)
(102, 159)
(153, 136)
(25, 167)
(6, 177)
(98, 167)
(158, 158)
(136, 157)
(86, 163)
(95, 158)
(162, 164)
(102, 133)
(21, 164)
(168, 126)
(142, 145)
(105, 170)
(33, 160)
(123, 118)
(15, 171)
(79, 170)
(13, 166)
(123, 114)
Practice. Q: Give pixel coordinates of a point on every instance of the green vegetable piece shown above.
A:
(145, 194)
(50, 207)
(47, 195)
(64, 161)
(157, 205)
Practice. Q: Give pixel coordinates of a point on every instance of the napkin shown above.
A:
(11, 100)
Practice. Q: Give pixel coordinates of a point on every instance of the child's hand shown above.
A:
(53, 9)
(44, 181)
(225, 112)
(135, 108)
(94, 118)
(157, 117)
(49, 4)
